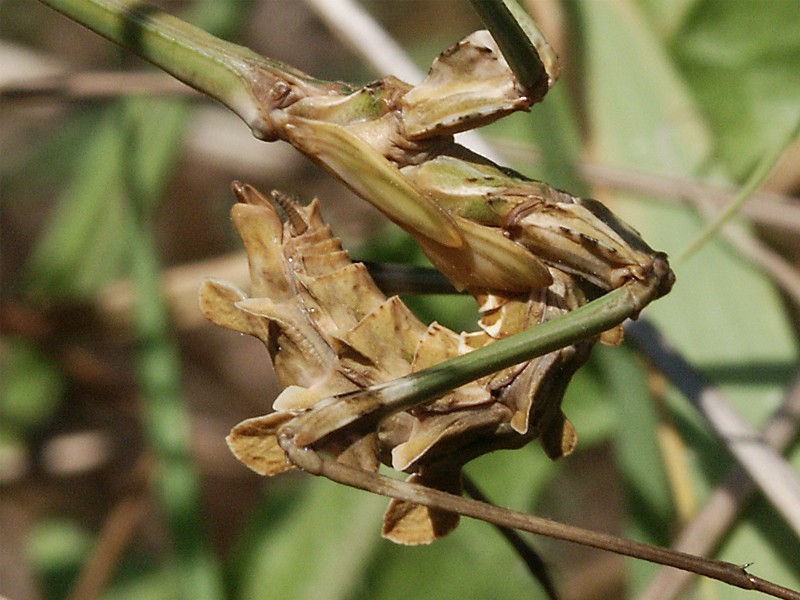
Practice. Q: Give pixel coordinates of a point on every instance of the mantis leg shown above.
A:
(398, 278)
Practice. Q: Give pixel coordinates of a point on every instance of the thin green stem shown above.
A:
(757, 177)
(406, 392)
(585, 322)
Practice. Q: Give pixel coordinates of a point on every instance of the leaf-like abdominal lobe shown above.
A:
(469, 85)
(338, 344)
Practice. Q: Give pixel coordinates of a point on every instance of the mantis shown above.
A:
(530, 254)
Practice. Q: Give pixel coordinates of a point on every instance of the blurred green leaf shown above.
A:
(723, 314)
(57, 547)
(156, 584)
(30, 389)
(86, 240)
(102, 229)
(639, 455)
(318, 551)
(738, 58)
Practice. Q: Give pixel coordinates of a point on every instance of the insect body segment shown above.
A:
(580, 236)
(469, 85)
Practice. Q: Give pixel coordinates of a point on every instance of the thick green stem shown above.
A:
(229, 73)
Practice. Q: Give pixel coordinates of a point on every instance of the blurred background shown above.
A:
(115, 480)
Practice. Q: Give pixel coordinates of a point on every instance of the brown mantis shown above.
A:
(527, 252)
(501, 220)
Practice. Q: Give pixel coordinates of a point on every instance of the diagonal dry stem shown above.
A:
(770, 471)
(735, 575)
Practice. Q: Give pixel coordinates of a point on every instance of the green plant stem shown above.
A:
(757, 177)
(582, 323)
(158, 365)
(167, 425)
(227, 72)
(128, 171)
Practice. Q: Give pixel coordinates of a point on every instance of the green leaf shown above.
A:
(56, 547)
(739, 59)
(85, 242)
(318, 550)
(723, 314)
(30, 389)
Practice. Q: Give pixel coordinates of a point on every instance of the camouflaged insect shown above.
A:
(528, 253)
(330, 330)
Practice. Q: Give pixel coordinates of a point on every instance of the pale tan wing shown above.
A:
(255, 443)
